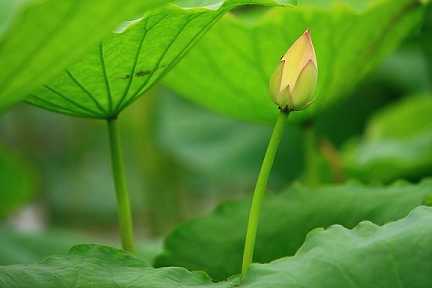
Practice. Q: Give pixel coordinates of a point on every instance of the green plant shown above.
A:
(341, 248)
(18, 182)
(39, 39)
(360, 36)
(237, 43)
(107, 80)
(397, 142)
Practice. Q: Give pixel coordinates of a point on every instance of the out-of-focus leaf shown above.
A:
(29, 247)
(394, 255)
(229, 69)
(39, 38)
(18, 247)
(224, 151)
(148, 250)
(17, 182)
(124, 66)
(407, 69)
(397, 143)
(426, 39)
(215, 244)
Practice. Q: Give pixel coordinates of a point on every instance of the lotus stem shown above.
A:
(260, 188)
(122, 194)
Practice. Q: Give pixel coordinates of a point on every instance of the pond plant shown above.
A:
(94, 59)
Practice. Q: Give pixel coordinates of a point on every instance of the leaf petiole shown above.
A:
(122, 194)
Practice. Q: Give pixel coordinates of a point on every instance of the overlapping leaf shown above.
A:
(215, 244)
(229, 70)
(397, 143)
(39, 38)
(125, 65)
(98, 266)
(395, 255)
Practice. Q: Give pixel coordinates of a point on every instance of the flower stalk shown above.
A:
(260, 188)
(292, 88)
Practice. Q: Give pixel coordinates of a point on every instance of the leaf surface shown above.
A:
(39, 38)
(98, 266)
(125, 65)
(394, 255)
(396, 143)
(230, 68)
(215, 243)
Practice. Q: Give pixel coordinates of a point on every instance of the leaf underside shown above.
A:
(38, 39)
(229, 69)
(126, 64)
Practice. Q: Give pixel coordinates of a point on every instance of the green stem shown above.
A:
(311, 157)
(123, 206)
(259, 192)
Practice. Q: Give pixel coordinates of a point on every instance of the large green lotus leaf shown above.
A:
(215, 243)
(229, 70)
(97, 266)
(38, 39)
(125, 65)
(395, 255)
(397, 143)
(17, 182)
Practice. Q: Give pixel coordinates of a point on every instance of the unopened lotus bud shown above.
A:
(293, 84)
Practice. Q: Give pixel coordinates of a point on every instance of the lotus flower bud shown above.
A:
(293, 84)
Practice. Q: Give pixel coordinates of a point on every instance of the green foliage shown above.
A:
(426, 40)
(335, 257)
(25, 248)
(29, 247)
(394, 255)
(396, 143)
(124, 66)
(228, 72)
(224, 143)
(18, 182)
(349, 42)
(87, 266)
(40, 38)
(214, 244)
